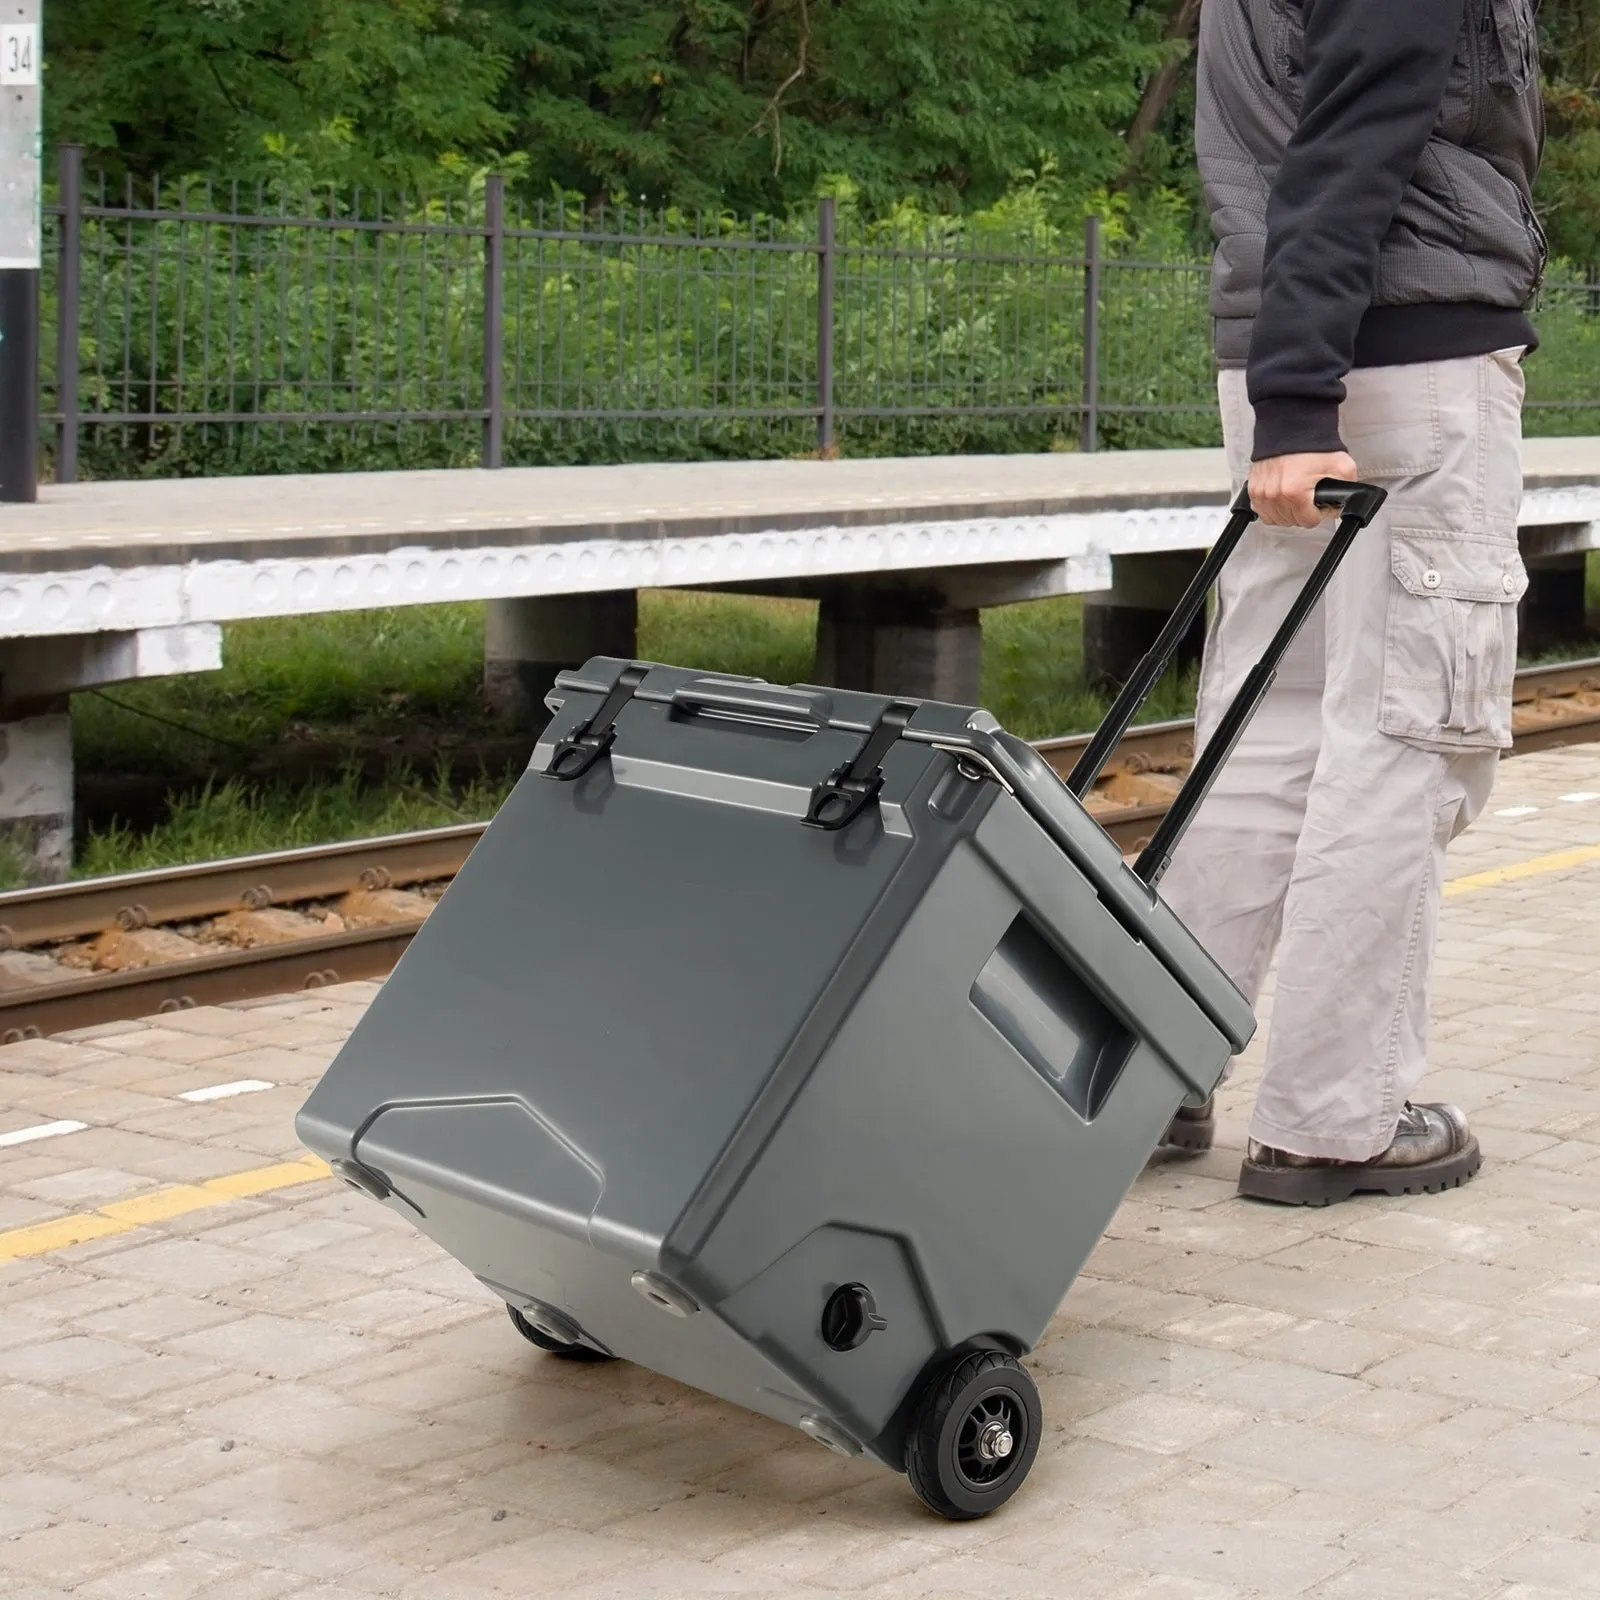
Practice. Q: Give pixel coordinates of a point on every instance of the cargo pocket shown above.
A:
(1391, 421)
(1450, 643)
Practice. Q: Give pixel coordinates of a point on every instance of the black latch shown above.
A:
(590, 740)
(852, 786)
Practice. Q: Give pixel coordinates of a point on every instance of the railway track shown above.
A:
(108, 949)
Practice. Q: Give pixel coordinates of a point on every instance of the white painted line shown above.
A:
(1582, 797)
(223, 1091)
(41, 1130)
(1516, 811)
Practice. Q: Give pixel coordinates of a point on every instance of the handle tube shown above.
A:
(1153, 663)
(1354, 501)
(1360, 503)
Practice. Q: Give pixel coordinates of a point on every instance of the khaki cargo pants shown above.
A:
(1324, 838)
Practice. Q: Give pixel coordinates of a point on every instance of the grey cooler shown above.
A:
(797, 1044)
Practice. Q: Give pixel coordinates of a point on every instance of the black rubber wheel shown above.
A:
(974, 1435)
(555, 1347)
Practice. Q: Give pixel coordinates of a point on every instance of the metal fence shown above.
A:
(212, 327)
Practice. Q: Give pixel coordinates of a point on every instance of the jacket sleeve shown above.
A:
(1374, 79)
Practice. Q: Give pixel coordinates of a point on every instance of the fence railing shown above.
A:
(207, 327)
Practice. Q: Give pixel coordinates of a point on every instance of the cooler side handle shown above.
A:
(755, 700)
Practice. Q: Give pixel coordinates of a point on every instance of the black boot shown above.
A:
(1193, 1128)
(1433, 1149)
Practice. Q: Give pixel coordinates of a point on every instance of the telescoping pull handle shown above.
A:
(1358, 500)
(1357, 504)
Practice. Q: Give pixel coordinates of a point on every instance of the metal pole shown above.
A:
(19, 249)
(70, 180)
(494, 294)
(825, 296)
(1090, 439)
(1153, 664)
(1156, 856)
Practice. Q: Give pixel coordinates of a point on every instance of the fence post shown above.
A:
(494, 251)
(1090, 438)
(825, 300)
(19, 251)
(68, 276)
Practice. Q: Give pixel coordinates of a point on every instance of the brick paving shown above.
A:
(290, 1394)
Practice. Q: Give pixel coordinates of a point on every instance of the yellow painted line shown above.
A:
(262, 1180)
(122, 1216)
(1557, 861)
(44, 1237)
(158, 1206)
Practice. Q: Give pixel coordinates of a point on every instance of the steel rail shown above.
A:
(206, 980)
(210, 888)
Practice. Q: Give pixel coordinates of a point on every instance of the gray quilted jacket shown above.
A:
(1368, 165)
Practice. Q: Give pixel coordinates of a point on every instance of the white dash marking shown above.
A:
(1516, 811)
(1582, 797)
(224, 1091)
(41, 1130)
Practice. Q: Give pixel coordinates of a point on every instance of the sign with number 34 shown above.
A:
(19, 54)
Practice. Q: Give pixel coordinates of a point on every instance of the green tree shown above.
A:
(346, 91)
(752, 104)
(747, 104)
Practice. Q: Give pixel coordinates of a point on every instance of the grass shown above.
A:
(360, 671)
(237, 818)
(410, 677)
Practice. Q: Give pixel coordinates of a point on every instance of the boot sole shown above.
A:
(1192, 1136)
(1324, 1186)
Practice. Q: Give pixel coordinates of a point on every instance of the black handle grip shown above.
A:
(1362, 501)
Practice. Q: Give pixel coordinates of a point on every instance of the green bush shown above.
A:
(665, 335)
(626, 335)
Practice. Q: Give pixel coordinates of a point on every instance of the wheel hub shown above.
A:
(995, 1442)
(989, 1438)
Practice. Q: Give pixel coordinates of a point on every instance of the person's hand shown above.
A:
(1281, 488)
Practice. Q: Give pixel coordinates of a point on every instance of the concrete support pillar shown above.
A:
(1122, 622)
(528, 640)
(36, 794)
(37, 676)
(899, 642)
(1553, 611)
